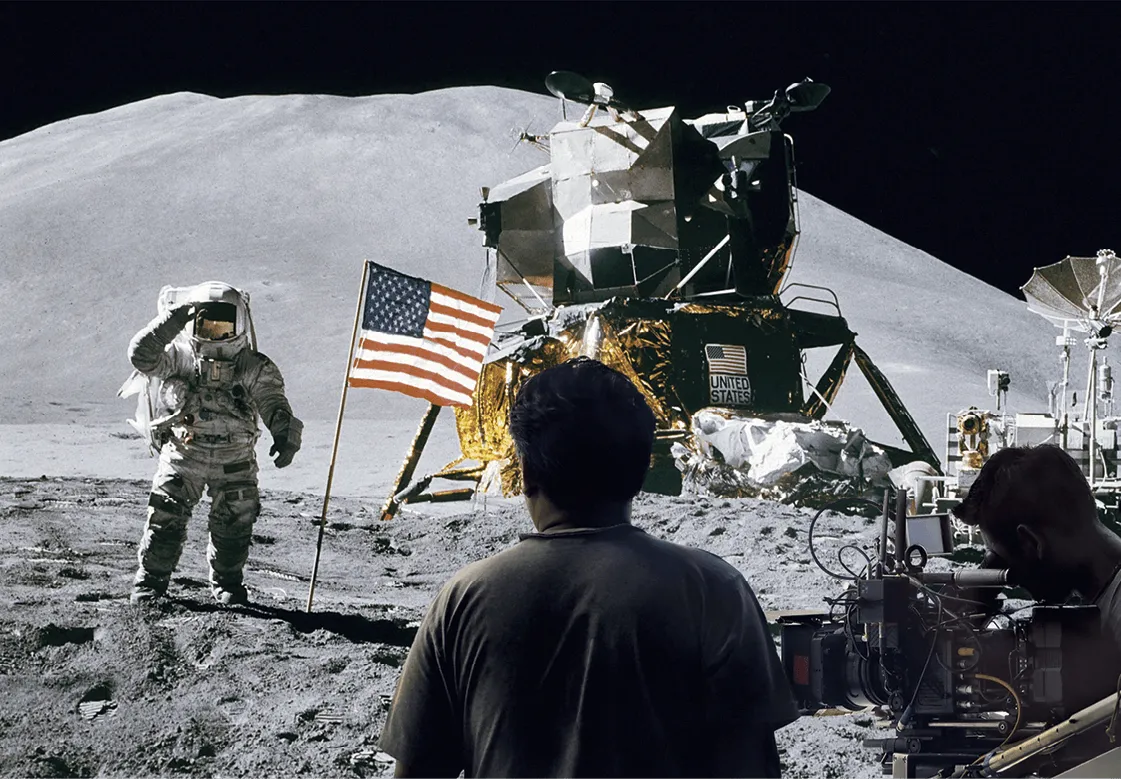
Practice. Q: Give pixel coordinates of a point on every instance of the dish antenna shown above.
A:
(806, 95)
(572, 86)
(1081, 294)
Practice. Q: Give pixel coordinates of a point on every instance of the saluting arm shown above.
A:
(148, 349)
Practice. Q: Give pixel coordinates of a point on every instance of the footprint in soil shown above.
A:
(98, 700)
(51, 765)
(54, 635)
(383, 545)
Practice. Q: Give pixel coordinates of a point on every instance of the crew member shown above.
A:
(589, 648)
(217, 387)
(1038, 517)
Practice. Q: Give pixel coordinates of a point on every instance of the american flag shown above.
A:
(726, 358)
(420, 338)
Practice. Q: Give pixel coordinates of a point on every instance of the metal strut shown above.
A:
(817, 406)
(408, 468)
(895, 408)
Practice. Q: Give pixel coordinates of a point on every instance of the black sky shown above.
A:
(985, 134)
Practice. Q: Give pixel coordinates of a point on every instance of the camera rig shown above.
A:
(960, 680)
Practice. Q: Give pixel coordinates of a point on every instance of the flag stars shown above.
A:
(395, 303)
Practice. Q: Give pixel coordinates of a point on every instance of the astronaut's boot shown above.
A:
(230, 594)
(144, 592)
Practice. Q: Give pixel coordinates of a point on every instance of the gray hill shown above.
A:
(286, 195)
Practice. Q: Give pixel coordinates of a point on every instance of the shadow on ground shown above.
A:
(353, 627)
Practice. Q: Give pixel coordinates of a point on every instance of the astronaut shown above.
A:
(215, 387)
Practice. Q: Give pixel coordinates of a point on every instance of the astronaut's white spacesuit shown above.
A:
(215, 386)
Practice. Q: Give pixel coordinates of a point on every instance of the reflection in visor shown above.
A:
(216, 322)
(212, 330)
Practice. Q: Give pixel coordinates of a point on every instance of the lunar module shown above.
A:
(1079, 295)
(660, 246)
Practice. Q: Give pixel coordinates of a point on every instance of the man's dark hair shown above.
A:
(1032, 486)
(584, 433)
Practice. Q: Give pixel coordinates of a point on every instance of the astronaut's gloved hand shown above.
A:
(287, 432)
(184, 312)
(285, 451)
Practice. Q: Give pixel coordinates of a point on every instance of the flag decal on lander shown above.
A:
(727, 375)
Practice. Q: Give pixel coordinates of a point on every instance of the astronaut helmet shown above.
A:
(220, 327)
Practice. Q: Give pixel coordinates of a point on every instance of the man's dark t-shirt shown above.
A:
(600, 652)
(1109, 602)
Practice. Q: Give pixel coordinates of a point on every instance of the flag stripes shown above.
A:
(418, 388)
(421, 339)
(369, 349)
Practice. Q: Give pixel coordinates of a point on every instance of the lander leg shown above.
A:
(895, 408)
(407, 491)
(408, 468)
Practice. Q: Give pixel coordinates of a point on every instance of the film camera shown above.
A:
(959, 679)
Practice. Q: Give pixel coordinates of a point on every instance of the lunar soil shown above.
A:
(95, 687)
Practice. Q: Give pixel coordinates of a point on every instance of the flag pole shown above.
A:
(338, 430)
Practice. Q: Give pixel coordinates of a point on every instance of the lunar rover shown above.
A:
(659, 245)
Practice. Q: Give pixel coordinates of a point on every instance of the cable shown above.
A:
(1019, 712)
(810, 540)
(859, 551)
(848, 603)
(922, 674)
(864, 655)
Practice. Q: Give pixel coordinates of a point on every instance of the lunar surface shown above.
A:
(285, 196)
(96, 687)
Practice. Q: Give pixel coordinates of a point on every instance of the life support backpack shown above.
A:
(154, 418)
